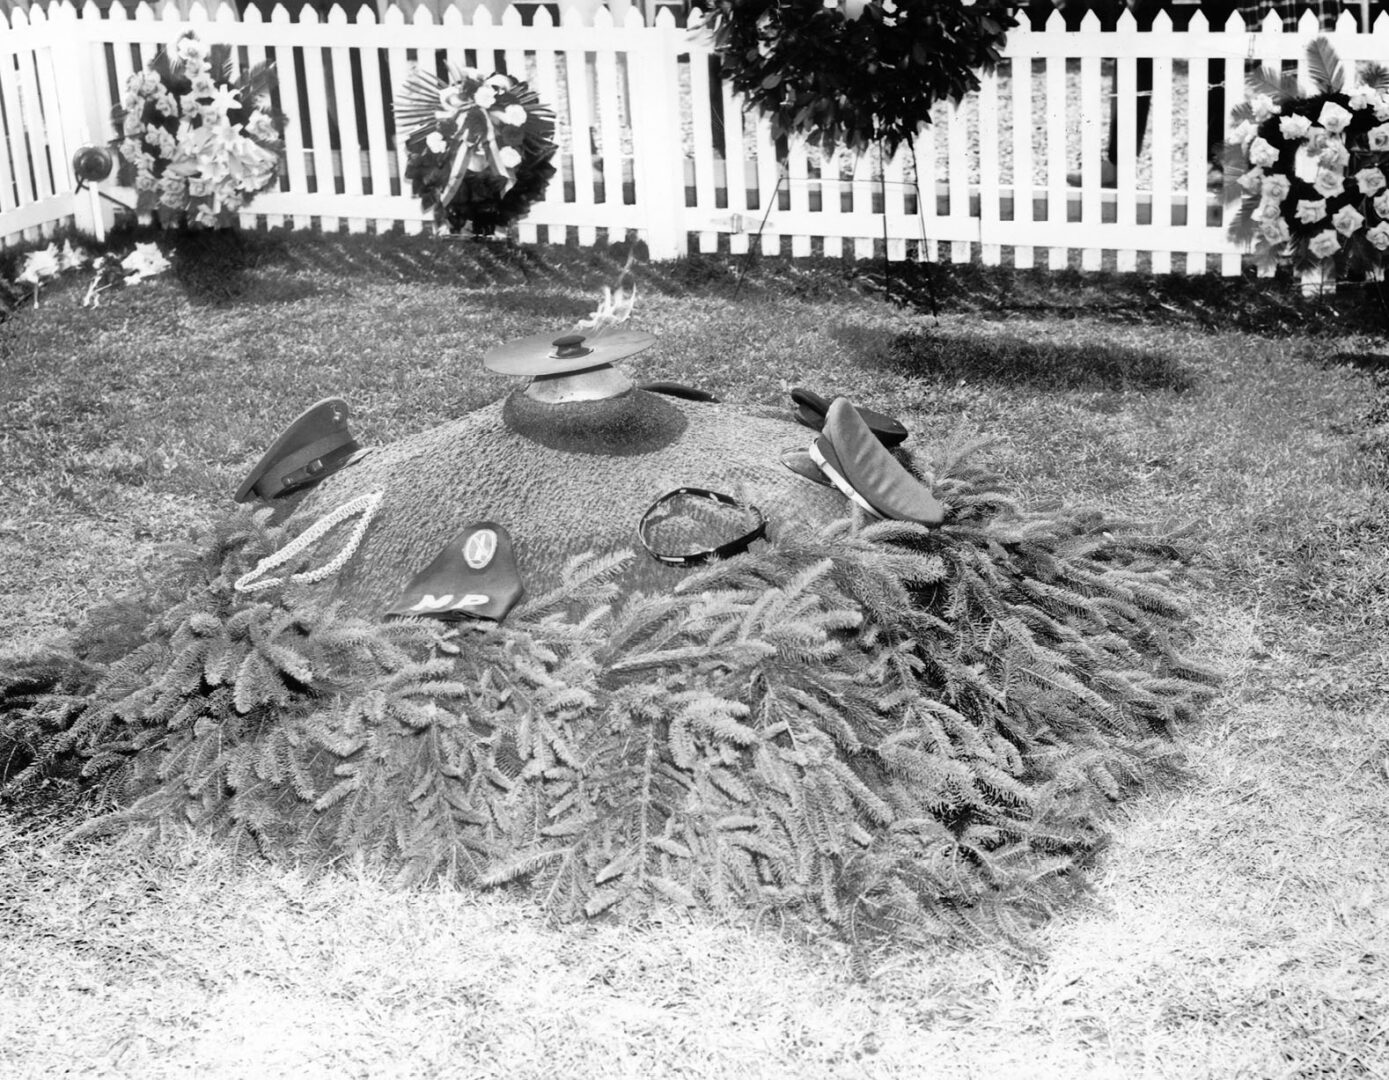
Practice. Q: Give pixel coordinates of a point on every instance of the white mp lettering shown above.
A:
(428, 602)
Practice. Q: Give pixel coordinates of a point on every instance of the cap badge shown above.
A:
(479, 548)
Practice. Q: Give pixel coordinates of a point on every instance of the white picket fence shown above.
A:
(653, 144)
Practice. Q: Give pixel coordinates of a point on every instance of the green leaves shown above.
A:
(853, 81)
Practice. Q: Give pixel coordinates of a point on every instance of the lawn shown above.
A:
(1239, 921)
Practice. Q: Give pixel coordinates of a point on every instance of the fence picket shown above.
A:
(798, 191)
(1057, 199)
(1160, 120)
(339, 63)
(21, 151)
(769, 187)
(1020, 122)
(990, 187)
(735, 157)
(11, 197)
(1095, 106)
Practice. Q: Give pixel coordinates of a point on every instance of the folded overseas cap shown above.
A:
(474, 577)
(317, 444)
(859, 465)
(811, 410)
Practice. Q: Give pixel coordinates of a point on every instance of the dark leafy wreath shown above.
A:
(198, 140)
(1312, 168)
(855, 73)
(479, 147)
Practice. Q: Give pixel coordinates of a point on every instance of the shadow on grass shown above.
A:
(221, 267)
(1014, 361)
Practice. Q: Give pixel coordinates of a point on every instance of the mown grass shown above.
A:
(1239, 923)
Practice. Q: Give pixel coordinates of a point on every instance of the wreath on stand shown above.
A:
(1311, 166)
(197, 140)
(856, 73)
(479, 148)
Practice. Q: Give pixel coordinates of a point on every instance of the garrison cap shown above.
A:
(811, 409)
(474, 577)
(863, 469)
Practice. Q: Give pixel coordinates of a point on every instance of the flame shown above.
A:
(616, 306)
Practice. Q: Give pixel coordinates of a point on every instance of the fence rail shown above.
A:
(653, 143)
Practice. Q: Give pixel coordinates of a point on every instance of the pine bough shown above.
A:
(876, 728)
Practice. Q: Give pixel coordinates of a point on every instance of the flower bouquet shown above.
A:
(1310, 166)
(196, 143)
(479, 148)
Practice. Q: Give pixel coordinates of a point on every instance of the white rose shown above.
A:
(1325, 244)
(515, 115)
(1243, 132)
(435, 143)
(1329, 183)
(1264, 107)
(1294, 127)
(1275, 232)
(1364, 97)
(485, 96)
(1347, 220)
(1310, 210)
(1370, 180)
(509, 156)
(1262, 152)
(1378, 236)
(1378, 137)
(1334, 154)
(1275, 187)
(1333, 117)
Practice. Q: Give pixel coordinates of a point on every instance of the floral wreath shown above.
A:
(196, 143)
(479, 147)
(1311, 166)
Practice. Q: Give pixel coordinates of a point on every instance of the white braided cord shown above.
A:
(365, 505)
